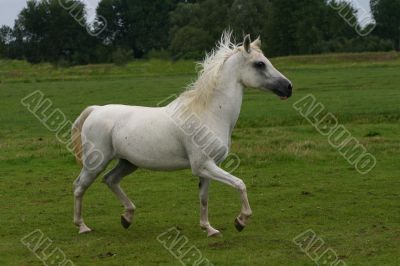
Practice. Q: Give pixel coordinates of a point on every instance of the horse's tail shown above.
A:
(76, 133)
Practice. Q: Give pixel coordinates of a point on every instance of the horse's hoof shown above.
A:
(84, 229)
(215, 233)
(238, 225)
(125, 223)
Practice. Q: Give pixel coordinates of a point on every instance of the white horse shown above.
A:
(178, 135)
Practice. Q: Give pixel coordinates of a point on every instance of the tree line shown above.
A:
(57, 31)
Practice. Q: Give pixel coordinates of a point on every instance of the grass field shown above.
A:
(296, 181)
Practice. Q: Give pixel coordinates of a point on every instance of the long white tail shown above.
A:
(76, 132)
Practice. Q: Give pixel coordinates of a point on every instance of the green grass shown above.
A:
(296, 180)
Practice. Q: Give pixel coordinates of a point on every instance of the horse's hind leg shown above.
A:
(81, 184)
(112, 179)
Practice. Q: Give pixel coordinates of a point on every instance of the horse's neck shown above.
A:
(227, 101)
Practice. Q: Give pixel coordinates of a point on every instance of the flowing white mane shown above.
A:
(199, 92)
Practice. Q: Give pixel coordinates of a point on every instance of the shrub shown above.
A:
(191, 43)
(356, 45)
(62, 63)
(122, 56)
(159, 54)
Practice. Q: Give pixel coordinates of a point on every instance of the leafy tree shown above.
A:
(282, 27)
(249, 17)
(140, 25)
(47, 31)
(57, 31)
(196, 26)
(5, 40)
(190, 42)
(337, 18)
(185, 14)
(309, 29)
(386, 14)
(121, 57)
(302, 27)
(116, 27)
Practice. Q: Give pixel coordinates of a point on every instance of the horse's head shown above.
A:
(257, 71)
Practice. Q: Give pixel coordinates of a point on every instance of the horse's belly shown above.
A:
(151, 143)
(154, 160)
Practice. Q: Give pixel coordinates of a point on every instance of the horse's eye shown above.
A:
(260, 65)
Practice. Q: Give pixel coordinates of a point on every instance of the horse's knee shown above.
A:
(241, 186)
(108, 181)
(79, 191)
(80, 186)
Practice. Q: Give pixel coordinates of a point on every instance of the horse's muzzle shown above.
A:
(283, 89)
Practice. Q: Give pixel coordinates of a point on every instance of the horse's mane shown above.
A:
(198, 93)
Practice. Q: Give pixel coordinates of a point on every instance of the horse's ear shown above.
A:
(247, 43)
(257, 43)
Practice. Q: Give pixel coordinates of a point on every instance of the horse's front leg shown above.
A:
(210, 170)
(203, 195)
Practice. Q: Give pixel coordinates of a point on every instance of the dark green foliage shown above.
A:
(249, 17)
(195, 27)
(162, 54)
(356, 45)
(122, 56)
(282, 28)
(285, 26)
(46, 30)
(387, 16)
(5, 40)
(302, 27)
(136, 24)
(191, 42)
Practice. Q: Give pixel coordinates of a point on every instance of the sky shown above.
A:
(9, 9)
